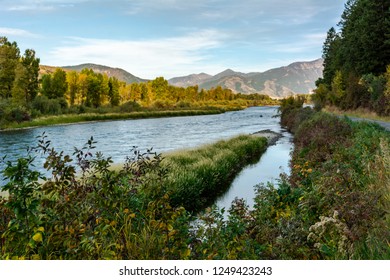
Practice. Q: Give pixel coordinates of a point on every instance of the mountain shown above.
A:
(119, 73)
(298, 77)
(194, 79)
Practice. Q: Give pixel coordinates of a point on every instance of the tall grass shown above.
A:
(197, 177)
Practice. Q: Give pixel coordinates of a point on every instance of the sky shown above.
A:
(171, 38)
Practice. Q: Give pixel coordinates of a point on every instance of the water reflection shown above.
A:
(272, 163)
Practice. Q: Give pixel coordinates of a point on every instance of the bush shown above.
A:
(47, 106)
(16, 113)
(318, 137)
(84, 210)
(130, 106)
(183, 105)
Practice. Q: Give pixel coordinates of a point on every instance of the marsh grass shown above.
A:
(197, 177)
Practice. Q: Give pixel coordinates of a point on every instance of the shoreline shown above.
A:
(91, 118)
(271, 136)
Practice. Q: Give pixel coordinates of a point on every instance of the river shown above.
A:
(117, 138)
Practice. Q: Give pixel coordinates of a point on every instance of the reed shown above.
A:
(197, 177)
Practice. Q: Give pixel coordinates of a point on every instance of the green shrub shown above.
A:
(130, 106)
(46, 106)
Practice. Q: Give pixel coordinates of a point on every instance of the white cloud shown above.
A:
(5, 31)
(148, 58)
(302, 44)
(37, 5)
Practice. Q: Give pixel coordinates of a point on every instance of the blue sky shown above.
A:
(170, 38)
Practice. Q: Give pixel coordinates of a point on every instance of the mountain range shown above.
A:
(298, 77)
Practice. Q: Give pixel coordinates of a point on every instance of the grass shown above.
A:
(197, 177)
(359, 113)
(91, 117)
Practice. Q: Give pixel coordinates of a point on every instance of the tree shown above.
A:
(159, 88)
(330, 56)
(19, 88)
(31, 72)
(56, 85)
(72, 78)
(59, 83)
(9, 59)
(113, 92)
(365, 29)
(361, 48)
(338, 88)
(97, 88)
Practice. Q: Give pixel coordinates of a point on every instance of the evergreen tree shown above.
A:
(361, 48)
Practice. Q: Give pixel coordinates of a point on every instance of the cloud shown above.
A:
(17, 32)
(303, 44)
(144, 58)
(37, 5)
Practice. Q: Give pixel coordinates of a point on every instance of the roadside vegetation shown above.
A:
(358, 113)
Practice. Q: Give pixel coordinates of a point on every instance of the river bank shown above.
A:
(94, 117)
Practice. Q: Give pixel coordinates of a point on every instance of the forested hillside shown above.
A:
(357, 59)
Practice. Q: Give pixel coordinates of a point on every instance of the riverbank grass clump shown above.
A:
(197, 177)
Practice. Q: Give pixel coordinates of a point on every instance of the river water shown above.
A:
(117, 138)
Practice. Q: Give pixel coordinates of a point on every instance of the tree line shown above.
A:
(357, 59)
(92, 89)
(25, 94)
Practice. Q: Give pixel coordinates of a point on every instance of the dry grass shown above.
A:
(359, 113)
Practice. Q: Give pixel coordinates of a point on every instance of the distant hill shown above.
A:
(194, 79)
(298, 77)
(119, 73)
